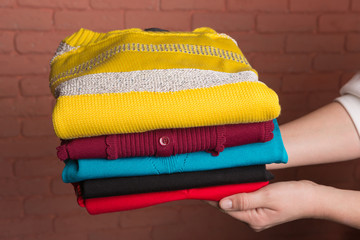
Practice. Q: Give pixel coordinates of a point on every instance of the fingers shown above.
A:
(256, 220)
(244, 201)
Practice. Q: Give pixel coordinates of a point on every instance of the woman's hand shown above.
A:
(275, 204)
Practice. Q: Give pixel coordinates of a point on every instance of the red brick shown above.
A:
(29, 147)
(58, 187)
(222, 226)
(346, 77)
(276, 63)
(37, 127)
(286, 174)
(216, 5)
(257, 5)
(10, 208)
(78, 4)
(290, 115)
(60, 205)
(41, 106)
(94, 20)
(10, 127)
(8, 107)
(24, 64)
(7, 3)
(357, 170)
(6, 169)
(9, 86)
(6, 42)
(39, 167)
(293, 101)
(134, 4)
(54, 236)
(38, 42)
(197, 214)
(319, 5)
(259, 42)
(319, 99)
(315, 43)
(165, 20)
(19, 227)
(338, 233)
(308, 229)
(355, 6)
(116, 234)
(84, 222)
(224, 21)
(24, 187)
(156, 215)
(182, 231)
(333, 62)
(271, 80)
(33, 186)
(11, 238)
(311, 82)
(35, 86)
(202, 230)
(8, 187)
(286, 23)
(26, 19)
(330, 173)
(353, 42)
(339, 22)
(196, 219)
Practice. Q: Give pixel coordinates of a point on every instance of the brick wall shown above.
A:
(304, 49)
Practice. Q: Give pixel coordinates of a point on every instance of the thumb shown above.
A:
(243, 201)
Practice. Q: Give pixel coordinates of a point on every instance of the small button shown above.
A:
(164, 141)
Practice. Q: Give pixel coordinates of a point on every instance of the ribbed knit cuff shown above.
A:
(268, 131)
(130, 145)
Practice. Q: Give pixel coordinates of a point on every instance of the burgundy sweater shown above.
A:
(166, 142)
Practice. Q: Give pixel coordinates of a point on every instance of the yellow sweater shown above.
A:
(134, 81)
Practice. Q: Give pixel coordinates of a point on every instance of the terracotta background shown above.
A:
(304, 49)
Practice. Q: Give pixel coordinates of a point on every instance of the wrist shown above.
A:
(334, 204)
(322, 201)
(328, 203)
(312, 199)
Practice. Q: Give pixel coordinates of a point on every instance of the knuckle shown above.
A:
(242, 202)
(258, 221)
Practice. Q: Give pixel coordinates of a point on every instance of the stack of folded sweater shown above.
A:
(147, 117)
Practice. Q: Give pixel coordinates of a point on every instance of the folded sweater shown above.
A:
(166, 142)
(135, 201)
(107, 187)
(250, 154)
(133, 81)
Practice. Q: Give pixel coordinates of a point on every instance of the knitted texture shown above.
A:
(132, 81)
(179, 140)
(86, 52)
(108, 187)
(160, 80)
(135, 201)
(245, 155)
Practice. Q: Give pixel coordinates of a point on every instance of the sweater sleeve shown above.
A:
(350, 99)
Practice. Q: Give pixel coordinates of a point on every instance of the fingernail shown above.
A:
(226, 204)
